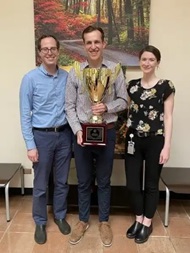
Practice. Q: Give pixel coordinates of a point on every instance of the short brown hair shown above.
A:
(47, 36)
(90, 29)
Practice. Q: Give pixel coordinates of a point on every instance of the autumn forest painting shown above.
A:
(125, 23)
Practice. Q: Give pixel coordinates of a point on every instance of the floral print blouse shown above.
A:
(146, 109)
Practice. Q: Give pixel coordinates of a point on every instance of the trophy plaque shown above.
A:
(94, 134)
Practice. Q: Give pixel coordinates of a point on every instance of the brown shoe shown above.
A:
(106, 233)
(78, 232)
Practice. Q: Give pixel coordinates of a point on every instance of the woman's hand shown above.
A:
(164, 155)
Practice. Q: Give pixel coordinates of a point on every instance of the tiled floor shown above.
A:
(16, 236)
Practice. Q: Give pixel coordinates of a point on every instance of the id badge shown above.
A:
(131, 148)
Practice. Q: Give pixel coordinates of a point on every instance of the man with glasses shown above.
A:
(47, 134)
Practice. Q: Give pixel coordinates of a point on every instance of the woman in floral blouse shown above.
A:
(148, 139)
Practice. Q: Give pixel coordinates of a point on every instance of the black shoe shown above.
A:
(134, 229)
(143, 234)
(40, 234)
(63, 226)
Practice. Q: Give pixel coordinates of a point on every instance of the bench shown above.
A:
(7, 172)
(177, 180)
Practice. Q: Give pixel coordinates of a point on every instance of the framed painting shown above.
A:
(125, 23)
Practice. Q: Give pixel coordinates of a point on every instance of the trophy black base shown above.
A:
(94, 134)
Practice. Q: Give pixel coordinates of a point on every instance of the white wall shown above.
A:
(169, 31)
(17, 57)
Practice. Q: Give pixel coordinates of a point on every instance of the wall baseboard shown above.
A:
(119, 196)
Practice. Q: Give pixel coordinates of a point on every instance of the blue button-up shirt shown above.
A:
(42, 101)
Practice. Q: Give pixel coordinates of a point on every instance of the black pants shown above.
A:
(146, 149)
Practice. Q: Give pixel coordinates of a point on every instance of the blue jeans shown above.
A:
(84, 157)
(55, 149)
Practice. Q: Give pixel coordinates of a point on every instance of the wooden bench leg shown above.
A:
(167, 205)
(7, 201)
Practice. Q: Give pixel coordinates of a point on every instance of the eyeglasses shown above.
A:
(45, 50)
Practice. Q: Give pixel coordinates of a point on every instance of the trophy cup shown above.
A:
(96, 83)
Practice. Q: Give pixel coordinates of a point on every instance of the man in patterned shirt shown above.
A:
(78, 110)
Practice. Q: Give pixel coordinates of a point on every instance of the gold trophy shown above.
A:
(96, 83)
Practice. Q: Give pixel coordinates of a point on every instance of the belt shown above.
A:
(52, 129)
(142, 134)
(110, 125)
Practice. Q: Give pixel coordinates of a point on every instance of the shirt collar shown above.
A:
(41, 67)
(85, 64)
